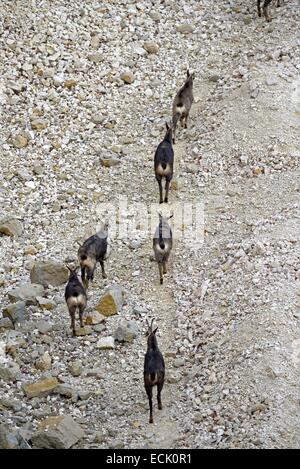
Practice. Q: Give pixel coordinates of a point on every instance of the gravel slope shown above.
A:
(232, 356)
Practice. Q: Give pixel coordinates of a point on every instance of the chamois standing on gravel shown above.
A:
(154, 369)
(163, 163)
(93, 250)
(75, 297)
(265, 8)
(183, 102)
(162, 245)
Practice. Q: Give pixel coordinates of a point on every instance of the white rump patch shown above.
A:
(163, 172)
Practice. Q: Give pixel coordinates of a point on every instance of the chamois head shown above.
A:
(73, 272)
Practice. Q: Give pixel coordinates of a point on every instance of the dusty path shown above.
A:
(232, 357)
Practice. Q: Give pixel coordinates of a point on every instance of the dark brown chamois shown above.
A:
(93, 250)
(75, 297)
(163, 163)
(183, 102)
(265, 8)
(162, 245)
(154, 369)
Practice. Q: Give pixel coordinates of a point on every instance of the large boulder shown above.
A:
(58, 432)
(49, 273)
(126, 331)
(16, 312)
(112, 301)
(26, 292)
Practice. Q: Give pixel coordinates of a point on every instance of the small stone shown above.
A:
(44, 363)
(257, 171)
(247, 20)
(7, 439)
(40, 388)
(82, 331)
(44, 326)
(214, 77)
(6, 323)
(110, 161)
(173, 378)
(175, 185)
(271, 82)
(11, 227)
(38, 124)
(95, 42)
(151, 47)
(20, 141)
(96, 57)
(67, 391)
(106, 343)
(69, 84)
(184, 28)
(44, 303)
(112, 301)
(94, 318)
(244, 159)
(75, 368)
(58, 432)
(10, 371)
(127, 77)
(30, 250)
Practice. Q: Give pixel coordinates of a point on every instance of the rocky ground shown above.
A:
(85, 92)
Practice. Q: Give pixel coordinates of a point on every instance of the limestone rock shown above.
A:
(111, 302)
(11, 227)
(40, 388)
(106, 343)
(49, 273)
(127, 77)
(58, 432)
(126, 331)
(26, 292)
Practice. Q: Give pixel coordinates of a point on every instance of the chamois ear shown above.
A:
(187, 73)
(154, 332)
(167, 126)
(69, 268)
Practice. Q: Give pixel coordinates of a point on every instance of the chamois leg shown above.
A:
(265, 10)
(175, 120)
(159, 388)
(158, 178)
(72, 311)
(164, 267)
(160, 266)
(149, 394)
(81, 309)
(167, 190)
(102, 269)
(258, 8)
(83, 273)
(185, 121)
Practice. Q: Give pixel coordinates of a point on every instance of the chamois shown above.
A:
(265, 8)
(154, 369)
(183, 102)
(93, 250)
(163, 163)
(75, 297)
(162, 245)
